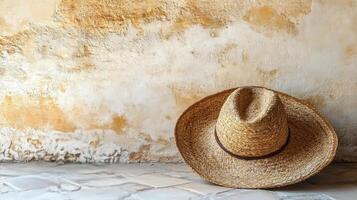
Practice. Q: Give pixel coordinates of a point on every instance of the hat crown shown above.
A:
(252, 123)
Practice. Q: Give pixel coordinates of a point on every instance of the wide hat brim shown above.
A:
(312, 146)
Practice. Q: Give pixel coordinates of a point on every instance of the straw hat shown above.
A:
(254, 137)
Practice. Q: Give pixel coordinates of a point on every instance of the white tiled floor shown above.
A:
(51, 181)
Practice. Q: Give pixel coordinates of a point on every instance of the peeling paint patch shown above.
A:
(35, 142)
(14, 43)
(30, 144)
(145, 151)
(140, 155)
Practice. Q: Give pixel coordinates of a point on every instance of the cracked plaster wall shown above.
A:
(104, 81)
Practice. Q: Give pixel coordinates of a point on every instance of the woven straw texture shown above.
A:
(307, 141)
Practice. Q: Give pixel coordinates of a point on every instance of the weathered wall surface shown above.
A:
(104, 81)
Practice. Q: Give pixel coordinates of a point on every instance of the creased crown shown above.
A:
(252, 122)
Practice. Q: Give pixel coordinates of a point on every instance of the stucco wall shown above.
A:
(104, 81)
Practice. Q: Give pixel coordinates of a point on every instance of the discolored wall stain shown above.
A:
(23, 112)
(223, 54)
(106, 15)
(209, 14)
(103, 15)
(89, 120)
(244, 56)
(270, 16)
(83, 58)
(267, 75)
(235, 64)
(118, 124)
(4, 25)
(2, 71)
(350, 52)
(267, 19)
(83, 51)
(83, 67)
(186, 96)
(294, 9)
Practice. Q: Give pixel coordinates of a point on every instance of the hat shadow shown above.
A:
(336, 177)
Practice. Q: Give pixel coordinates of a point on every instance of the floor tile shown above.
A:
(203, 188)
(134, 187)
(29, 182)
(158, 180)
(108, 193)
(105, 182)
(299, 196)
(241, 195)
(162, 194)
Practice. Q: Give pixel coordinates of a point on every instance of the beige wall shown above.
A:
(104, 81)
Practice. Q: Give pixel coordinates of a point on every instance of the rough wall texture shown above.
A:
(105, 80)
